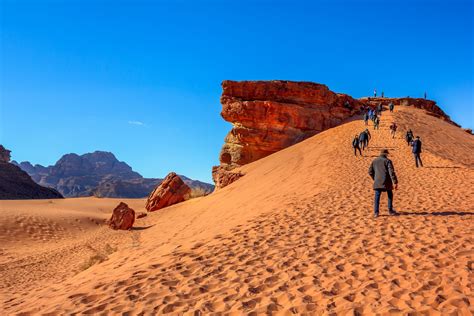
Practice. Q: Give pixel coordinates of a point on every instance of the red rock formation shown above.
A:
(171, 191)
(223, 176)
(268, 116)
(123, 217)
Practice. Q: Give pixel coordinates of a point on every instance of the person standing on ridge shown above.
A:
(375, 93)
(381, 170)
(416, 144)
(382, 95)
(355, 145)
(391, 106)
(425, 95)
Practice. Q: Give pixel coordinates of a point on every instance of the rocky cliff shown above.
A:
(99, 174)
(268, 116)
(16, 184)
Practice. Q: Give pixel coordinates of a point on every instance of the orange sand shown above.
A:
(294, 235)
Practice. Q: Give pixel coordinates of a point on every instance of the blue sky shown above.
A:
(142, 78)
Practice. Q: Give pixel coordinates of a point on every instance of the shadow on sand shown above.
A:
(141, 227)
(436, 213)
(443, 167)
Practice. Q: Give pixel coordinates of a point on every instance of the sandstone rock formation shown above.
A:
(15, 184)
(171, 191)
(268, 116)
(123, 217)
(97, 174)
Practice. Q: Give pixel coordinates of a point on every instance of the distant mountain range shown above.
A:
(97, 174)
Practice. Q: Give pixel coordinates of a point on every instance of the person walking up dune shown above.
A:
(356, 145)
(416, 150)
(376, 123)
(409, 137)
(391, 106)
(393, 129)
(381, 170)
(366, 118)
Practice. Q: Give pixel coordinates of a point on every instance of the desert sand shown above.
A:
(295, 235)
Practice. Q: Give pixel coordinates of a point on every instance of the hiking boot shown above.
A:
(376, 215)
(392, 213)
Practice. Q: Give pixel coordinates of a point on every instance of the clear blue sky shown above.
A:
(142, 78)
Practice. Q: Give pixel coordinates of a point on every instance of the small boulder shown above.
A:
(122, 217)
(171, 191)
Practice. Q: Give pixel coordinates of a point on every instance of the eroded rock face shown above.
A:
(171, 191)
(268, 116)
(223, 176)
(123, 217)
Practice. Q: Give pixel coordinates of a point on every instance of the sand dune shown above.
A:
(295, 235)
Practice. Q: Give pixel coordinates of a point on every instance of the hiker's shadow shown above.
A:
(435, 213)
(141, 227)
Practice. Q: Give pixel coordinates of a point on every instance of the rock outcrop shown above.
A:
(171, 191)
(268, 116)
(97, 174)
(16, 184)
(4, 155)
(123, 217)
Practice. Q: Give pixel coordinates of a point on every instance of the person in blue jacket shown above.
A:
(416, 150)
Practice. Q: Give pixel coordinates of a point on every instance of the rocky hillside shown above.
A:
(15, 184)
(98, 174)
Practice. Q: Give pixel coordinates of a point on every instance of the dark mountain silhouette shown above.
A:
(99, 174)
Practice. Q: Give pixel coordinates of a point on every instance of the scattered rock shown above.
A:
(171, 191)
(123, 217)
(468, 130)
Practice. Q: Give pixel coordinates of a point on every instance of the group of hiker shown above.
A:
(381, 169)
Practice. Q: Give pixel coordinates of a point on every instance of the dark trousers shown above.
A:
(418, 159)
(378, 192)
(355, 150)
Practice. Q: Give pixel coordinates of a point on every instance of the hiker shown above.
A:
(385, 180)
(368, 136)
(347, 105)
(375, 93)
(416, 144)
(425, 95)
(393, 129)
(376, 123)
(382, 95)
(355, 145)
(391, 106)
(366, 118)
(409, 137)
(380, 108)
(363, 140)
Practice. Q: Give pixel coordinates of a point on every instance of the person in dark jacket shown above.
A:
(376, 123)
(416, 150)
(355, 145)
(366, 118)
(409, 137)
(381, 170)
(363, 140)
(391, 106)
